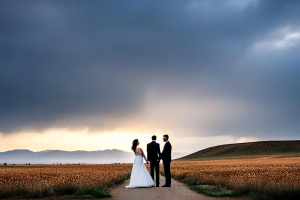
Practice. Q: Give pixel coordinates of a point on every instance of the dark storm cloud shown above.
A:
(63, 64)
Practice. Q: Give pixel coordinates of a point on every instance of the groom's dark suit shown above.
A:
(153, 154)
(166, 156)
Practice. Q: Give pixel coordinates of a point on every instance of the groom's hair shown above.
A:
(166, 136)
(154, 137)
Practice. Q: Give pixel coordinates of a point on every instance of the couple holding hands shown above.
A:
(140, 176)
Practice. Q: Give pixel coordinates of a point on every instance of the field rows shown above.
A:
(267, 176)
(263, 176)
(38, 181)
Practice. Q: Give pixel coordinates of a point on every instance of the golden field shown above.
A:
(264, 177)
(261, 175)
(50, 180)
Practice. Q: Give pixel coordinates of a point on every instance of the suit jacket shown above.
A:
(153, 151)
(166, 153)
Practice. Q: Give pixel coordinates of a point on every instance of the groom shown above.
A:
(153, 155)
(166, 156)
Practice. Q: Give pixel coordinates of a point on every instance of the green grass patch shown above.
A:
(212, 190)
(215, 191)
(99, 192)
(276, 193)
(223, 191)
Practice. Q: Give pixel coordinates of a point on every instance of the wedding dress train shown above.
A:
(140, 176)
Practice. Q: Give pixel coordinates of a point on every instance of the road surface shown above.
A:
(178, 191)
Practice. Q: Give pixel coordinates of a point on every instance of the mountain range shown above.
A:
(22, 156)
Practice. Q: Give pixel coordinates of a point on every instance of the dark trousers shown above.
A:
(155, 165)
(167, 169)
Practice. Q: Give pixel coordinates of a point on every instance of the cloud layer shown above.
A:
(190, 68)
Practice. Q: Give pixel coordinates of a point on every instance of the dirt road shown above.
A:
(178, 191)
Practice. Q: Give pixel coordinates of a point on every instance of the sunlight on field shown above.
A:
(261, 175)
(52, 180)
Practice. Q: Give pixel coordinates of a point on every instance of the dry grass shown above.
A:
(265, 177)
(247, 150)
(53, 180)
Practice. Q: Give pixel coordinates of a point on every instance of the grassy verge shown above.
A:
(223, 191)
(98, 192)
(215, 191)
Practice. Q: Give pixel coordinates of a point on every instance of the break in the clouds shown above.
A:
(190, 68)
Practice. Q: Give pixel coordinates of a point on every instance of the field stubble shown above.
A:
(54, 180)
(262, 177)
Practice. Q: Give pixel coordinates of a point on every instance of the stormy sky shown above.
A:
(191, 69)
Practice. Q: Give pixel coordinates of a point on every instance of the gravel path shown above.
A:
(177, 191)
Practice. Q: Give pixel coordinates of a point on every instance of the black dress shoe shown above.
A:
(157, 186)
(166, 186)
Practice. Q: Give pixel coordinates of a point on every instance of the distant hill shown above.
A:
(247, 150)
(22, 156)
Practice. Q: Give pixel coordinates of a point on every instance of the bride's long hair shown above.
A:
(134, 145)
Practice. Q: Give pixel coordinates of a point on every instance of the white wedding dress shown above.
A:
(140, 176)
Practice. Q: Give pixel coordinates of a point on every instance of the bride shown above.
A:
(140, 176)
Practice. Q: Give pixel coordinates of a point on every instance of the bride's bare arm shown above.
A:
(142, 152)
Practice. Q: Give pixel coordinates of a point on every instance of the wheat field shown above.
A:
(52, 180)
(267, 176)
